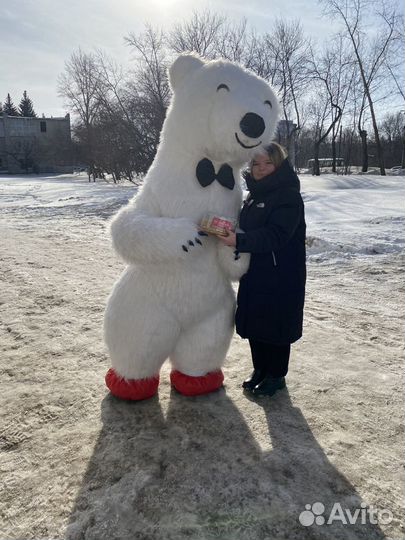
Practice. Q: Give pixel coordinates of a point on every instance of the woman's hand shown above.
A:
(229, 239)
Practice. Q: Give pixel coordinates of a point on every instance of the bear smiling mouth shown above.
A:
(244, 145)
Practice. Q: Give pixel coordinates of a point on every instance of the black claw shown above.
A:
(237, 257)
(184, 248)
(202, 233)
(198, 241)
(190, 243)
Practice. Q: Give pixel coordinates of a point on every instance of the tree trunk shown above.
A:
(340, 145)
(334, 154)
(380, 152)
(364, 150)
(371, 105)
(316, 170)
(403, 149)
(348, 151)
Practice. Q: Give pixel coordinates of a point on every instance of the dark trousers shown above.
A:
(271, 358)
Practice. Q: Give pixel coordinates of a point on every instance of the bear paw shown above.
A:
(195, 386)
(192, 243)
(133, 389)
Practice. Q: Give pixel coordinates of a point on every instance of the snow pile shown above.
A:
(353, 216)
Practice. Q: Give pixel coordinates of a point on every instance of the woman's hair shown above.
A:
(277, 154)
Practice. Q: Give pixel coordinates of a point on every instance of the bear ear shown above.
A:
(184, 65)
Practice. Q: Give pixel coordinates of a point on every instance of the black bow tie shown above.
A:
(205, 173)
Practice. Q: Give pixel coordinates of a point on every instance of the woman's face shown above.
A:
(262, 166)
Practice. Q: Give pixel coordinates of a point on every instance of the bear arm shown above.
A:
(141, 237)
(232, 263)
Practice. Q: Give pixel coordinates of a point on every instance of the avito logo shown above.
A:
(314, 514)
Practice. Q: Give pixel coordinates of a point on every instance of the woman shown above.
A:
(271, 294)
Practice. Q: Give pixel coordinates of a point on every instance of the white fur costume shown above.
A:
(172, 303)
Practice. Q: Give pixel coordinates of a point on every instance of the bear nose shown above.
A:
(252, 125)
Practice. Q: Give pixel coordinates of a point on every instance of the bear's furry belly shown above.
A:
(190, 289)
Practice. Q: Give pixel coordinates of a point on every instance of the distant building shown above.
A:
(38, 145)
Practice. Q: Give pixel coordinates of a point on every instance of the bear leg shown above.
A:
(200, 353)
(140, 335)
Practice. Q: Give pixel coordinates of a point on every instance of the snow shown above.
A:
(355, 215)
(78, 464)
(61, 195)
(346, 216)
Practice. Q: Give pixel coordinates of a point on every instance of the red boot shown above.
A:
(195, 386)
(134, 389)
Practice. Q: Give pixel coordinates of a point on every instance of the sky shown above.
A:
(38, 36)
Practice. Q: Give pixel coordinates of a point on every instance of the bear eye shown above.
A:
(223, 86)
(267, 102)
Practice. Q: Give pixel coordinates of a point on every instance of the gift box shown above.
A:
(214, 224)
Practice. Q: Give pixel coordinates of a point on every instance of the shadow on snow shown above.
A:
(199, 473)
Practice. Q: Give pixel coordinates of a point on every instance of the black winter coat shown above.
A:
(271, 293)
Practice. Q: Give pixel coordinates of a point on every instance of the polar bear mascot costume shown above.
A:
(175, 299)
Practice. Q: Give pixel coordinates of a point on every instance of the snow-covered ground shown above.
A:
(78, 464)
(354, 215)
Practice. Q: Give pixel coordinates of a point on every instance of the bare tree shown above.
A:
(402, 113)
(370, 53)
(358, 112)
(334, 69)
(212, 36)
(113, 90)
(120, 113)
(395, 69)
(288, 70)
(200, 34)
(152, 63)
(258, 59)
(362, 131)
(116, 130)
(80, 86)
(149, 89)
(236, 43)
(392, 134)
(326, 113)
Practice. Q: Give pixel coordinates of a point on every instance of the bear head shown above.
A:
(219, 110)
